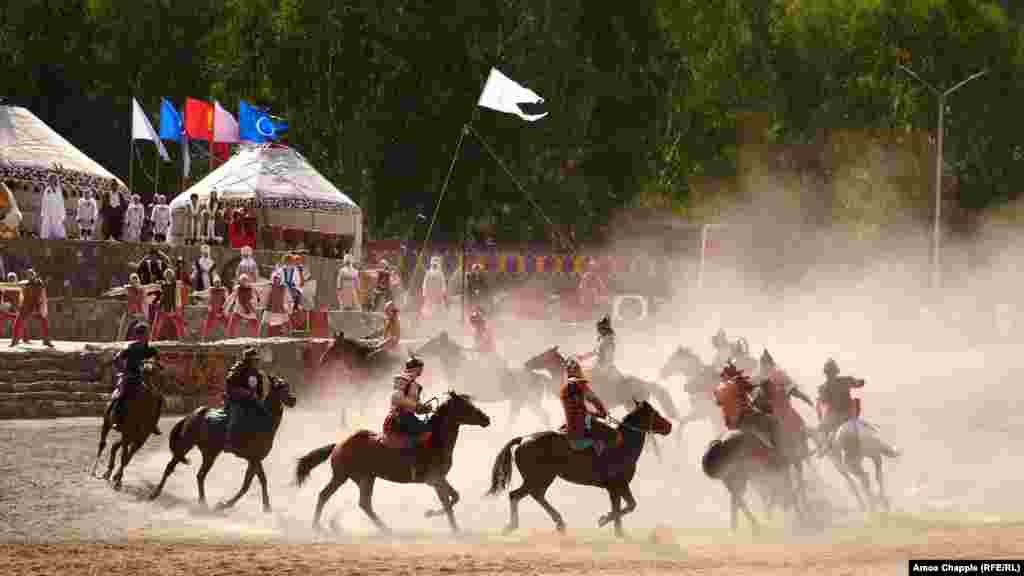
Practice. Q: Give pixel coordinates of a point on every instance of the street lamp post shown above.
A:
(936, 233)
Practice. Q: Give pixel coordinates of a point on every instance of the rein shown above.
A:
(622, 424)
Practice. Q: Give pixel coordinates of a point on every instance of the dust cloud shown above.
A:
(942, 371)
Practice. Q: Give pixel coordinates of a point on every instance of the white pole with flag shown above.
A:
(142, 129)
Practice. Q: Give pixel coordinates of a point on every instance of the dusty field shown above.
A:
(56, 519)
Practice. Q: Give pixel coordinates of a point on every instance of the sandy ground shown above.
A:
(57, 519)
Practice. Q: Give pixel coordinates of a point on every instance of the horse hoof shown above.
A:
(603, 520)
(222, 506)
(117, 486)
(267, 509)
(509, 529)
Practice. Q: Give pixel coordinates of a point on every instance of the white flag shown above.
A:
(225, 127)
(143, 130)
(505, 95)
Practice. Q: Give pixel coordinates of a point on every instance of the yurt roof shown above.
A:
(31, 151)
(269, 176)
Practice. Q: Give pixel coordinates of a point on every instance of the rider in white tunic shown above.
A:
(86, 215)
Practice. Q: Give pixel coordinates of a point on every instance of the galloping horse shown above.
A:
(364, 457)
(361, 363)
(545, 456)
(701, 381)
(737, 458)
(614, 394)
(854, 441)
(206, 428)
(489, 383)
(140, 415)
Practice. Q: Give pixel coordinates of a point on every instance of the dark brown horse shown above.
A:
(738, 458)
(363, 457)
(489, 381)
(613, 394)
(207, 430)
(140, 415)
(545, 456)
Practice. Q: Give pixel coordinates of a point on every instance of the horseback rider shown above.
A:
(575, 394)
(605, 352)
(388, 337)
(404, 406)
(740, 413)
(130, 381)
(835, 401)
(770, 374)
(243, 390)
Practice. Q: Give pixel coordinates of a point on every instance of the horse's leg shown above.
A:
(865, 482)
(104, 431)
(261, 475)
(444, 496)
(882, 496)
(336, 481)
(845, 473)
(515, 408)
(513, 500)
(538, 492)
(204, 469)
(113, 457)
(616, 512)
(167, 472)
(366, 501)
(250, 471)
(127, 451)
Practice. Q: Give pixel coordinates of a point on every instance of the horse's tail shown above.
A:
(719, 456)
(501, 474)
(306, 463)
(664, 399)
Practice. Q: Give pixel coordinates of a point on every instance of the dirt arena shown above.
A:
(57, 519)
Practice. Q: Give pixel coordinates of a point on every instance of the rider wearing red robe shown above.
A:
(575, 394)
(405, 404)
(777, 388)
(733, 395)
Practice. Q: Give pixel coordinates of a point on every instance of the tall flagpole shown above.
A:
(131, 146)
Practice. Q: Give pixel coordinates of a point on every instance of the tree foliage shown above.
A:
(645, 98)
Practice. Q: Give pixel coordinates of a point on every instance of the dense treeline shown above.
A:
(645, 98)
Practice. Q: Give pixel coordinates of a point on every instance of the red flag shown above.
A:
(198, 119)
(222, 151)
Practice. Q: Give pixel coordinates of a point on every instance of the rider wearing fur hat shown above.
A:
(243, 389)
(574, 395)
(404, 406)
(835, 403)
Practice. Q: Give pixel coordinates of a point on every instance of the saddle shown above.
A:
(599, 433)
(400, 441)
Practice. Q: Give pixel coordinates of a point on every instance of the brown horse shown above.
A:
(364, 457)
(545, 456)
(140, 415)
(489, 382)
(738, 458)
(206, 428)
(614, 394)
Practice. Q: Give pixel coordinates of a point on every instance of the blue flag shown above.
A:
(257, 125)
(171, 126)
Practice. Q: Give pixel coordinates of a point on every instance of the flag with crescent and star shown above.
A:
(257, 125)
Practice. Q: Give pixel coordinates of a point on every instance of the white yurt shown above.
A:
(281, 188)
(31, 153)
